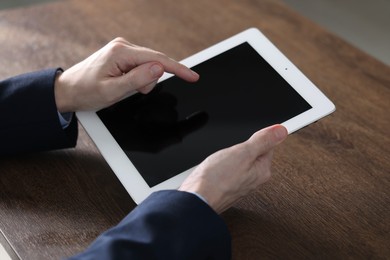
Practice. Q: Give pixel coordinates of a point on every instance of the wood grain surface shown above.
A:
(329, 196)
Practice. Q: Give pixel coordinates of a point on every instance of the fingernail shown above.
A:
(156, 70)
(194, 74)
(280, 132)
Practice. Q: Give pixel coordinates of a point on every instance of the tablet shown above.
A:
(152, 142)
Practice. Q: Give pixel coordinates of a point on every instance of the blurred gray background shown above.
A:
(363, 23)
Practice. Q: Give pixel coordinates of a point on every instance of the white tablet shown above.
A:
(153, 141)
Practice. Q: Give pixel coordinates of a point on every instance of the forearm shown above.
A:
(29, 119)
(167, 225)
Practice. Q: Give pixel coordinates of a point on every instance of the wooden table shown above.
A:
(329, 196)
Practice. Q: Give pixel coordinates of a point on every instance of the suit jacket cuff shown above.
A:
(28, 115)
(167, 225)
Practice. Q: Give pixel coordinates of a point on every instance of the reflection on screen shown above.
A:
(179, 124)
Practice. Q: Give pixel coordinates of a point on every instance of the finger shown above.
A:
(122, 41)
(141, 77)
(266, 139)
(133, 55)
(143, 55)
(148, 88)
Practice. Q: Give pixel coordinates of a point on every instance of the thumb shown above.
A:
(142, 77)
(266, 139)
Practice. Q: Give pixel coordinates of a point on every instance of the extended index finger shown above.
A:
(144, 55)
(133, 55)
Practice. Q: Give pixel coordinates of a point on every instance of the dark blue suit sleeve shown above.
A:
(29, 119)
(167, 225)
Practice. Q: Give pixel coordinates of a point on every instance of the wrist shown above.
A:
(205, 193)
(60, 93)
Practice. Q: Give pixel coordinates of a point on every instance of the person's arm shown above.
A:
(29, 103)
(167, 225)
(29, 120)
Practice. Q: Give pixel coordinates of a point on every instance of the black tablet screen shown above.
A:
(178, 124)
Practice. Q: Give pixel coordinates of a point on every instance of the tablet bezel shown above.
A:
(124, 169)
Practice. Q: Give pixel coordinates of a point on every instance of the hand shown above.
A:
(111, 73)
(228, 175)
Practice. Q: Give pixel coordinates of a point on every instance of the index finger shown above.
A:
(144, 55)
(133, 55)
